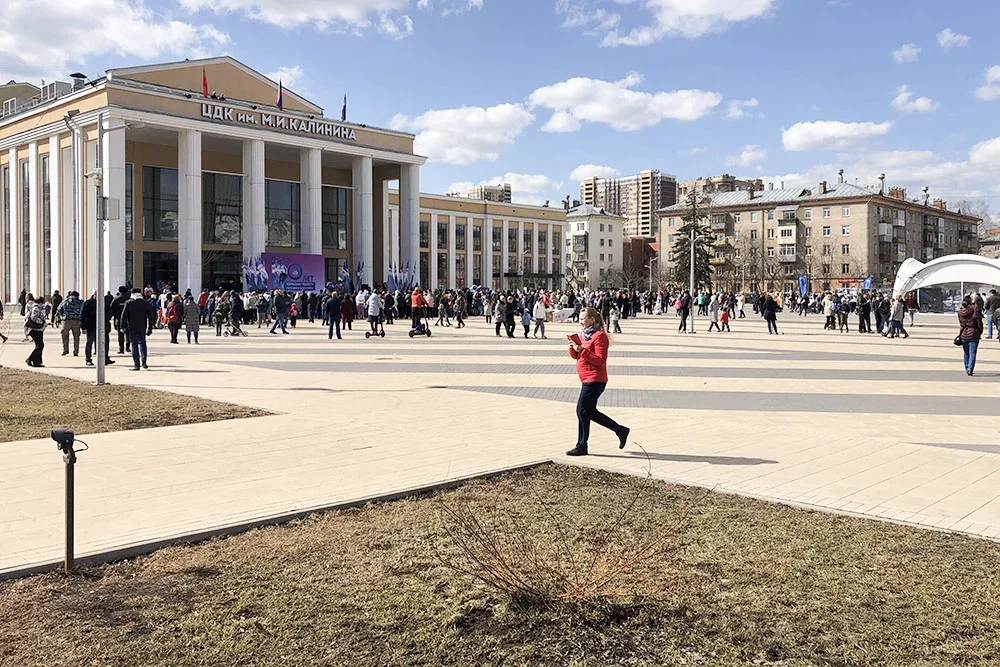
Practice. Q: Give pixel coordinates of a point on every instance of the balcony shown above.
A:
(787, 259)
(720, 243)
(785, 222)
(716, 261)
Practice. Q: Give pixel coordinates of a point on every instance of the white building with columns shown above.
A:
(201, 182)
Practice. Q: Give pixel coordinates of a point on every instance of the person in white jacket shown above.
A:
(539, 314)
(374, 309)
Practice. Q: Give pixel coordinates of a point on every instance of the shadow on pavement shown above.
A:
(690, 458)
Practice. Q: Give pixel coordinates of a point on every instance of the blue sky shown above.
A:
(533, 90)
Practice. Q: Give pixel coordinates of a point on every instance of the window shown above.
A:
(442, 235)
(788, 215)
(670, 222)
(737, 253)
(845, 230)
(826, 250)
(770, 252)
(671, 238)
(46, 216)
(460, 269)
(526, 239)
(460, 241)
(602, 226)
(159, 205)
(129, 268)
(129, 205)
(670, 255)
(736, 235)
(845, 212)
(611, 228)
(807, 214)
(845, 249)
(542, 241)
(720, 237)
(602, 243)
(611, 258)
(579, 227)
(425, 237)
(283, 213)
(25, 226)
(809, 251)
(770, 215)
(442, 261)
(477, 243)
(512, 240)
(334, 212)
(809, 231)
(497, 239)
(770, 233)
(611, 242)
(826, 230)
(753, 216)
(556, 237)
(222, 208)
(845, 269)
(786, 233)
(736, 217)
(826, 212)
(425, 267)
(753, 234)
(826, 271)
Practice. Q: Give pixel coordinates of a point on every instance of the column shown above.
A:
(409, 218)
(504, 253)
(189, 205)
(536, 250)
(395, 231)
(113, 187)
(55, 211)
(548, 255)
(488, 252)
(388, 239)
(470, 255)
(452, 278)
(311, 192)
(521, 268)
(254, 228)
(433, 279)
(363, 225)
(14, 213)
(34, 223)
(78, 195)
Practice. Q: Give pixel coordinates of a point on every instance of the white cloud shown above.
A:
(907, 53)
(986, 152)
(948, 39)
(829, 134)
(585, 171)
(736, 109)
(616, 104)
(45, 39)
(991, 89)
(465, 135)
(533, 189)
(461, 188)
(752, 155)
(287, 76)
(904, 102)
(670, 18)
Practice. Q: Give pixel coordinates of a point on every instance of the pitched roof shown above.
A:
(780, 196)
(585, 210)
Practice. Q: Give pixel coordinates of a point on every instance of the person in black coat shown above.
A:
(138, 319)
(282, 304)
(334, 306)
(88, 324)
(770, 312)
(117, 306)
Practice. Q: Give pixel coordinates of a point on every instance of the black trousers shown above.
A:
(586, 412)
(684, 321)
(36, 355)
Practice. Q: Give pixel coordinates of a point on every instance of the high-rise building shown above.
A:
(720, 183)
(496, 193)
(636, 198)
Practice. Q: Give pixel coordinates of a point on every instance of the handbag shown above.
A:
(958, 341)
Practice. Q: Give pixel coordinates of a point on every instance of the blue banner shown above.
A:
(868, 283)
(803, 286)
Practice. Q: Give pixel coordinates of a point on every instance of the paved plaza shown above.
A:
(846, 422)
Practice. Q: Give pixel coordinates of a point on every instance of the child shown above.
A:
(615, 317)
(526, 321)
(724, 318)
(293, 314)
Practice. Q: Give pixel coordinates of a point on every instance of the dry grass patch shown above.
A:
(31, 404)
(751, 583)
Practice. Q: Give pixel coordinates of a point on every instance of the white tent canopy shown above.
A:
(971, 269)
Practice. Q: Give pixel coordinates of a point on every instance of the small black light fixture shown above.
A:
(253, 106)
(311, 116)
(187, 95)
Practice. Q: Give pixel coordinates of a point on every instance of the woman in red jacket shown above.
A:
(590, 349)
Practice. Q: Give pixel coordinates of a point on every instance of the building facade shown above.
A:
(197, 183)
(464, 242)
(836, 236)
(496, 193)
(713, 184)
(594, 249)
(636, 198)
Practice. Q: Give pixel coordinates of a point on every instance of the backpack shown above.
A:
(36, 319)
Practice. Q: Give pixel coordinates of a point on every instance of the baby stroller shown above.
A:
(379, 329)
(233, 329)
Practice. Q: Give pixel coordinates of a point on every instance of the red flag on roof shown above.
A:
(279, 101)
(204, 82)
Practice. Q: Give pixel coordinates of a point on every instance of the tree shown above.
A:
(747, 262)
(633, 276)
(977, 208)
(694, 221)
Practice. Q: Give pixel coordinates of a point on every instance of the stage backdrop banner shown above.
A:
(294, 273)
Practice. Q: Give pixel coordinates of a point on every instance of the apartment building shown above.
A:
(495, 193)
(836, 236)
(593, 246)
(636, 198)
(714, 184)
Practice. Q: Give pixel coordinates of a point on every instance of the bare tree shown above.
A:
(977, 208)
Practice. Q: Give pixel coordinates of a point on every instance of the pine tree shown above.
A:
(695, 218)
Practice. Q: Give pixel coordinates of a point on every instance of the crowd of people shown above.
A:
(134, 314)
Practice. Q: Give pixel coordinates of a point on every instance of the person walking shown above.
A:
(896, 319)
(500, 311)
(334, 306)
(138, 319)
(539, 315)
(3, 338)
(992, 305)
(374, 306)
(970, 322)
(88, 324)
(590, 349)
(174, 310)
(191, 316)
(684, 310)
(713, 314)
(770, 311)
(117, 306)
(510, 316)
(724, 318)
(282, 304)
(34, 322)
(70, 311)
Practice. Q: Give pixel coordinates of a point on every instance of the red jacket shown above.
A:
(592, 360)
